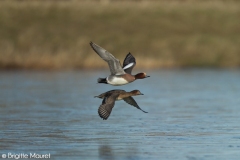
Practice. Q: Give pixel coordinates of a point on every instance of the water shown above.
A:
(193, 115)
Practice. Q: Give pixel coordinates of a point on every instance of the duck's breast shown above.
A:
(117, 80)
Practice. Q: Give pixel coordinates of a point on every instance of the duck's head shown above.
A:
(141, 76)
(136, 92)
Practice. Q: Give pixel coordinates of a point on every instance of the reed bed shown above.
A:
(160, 34)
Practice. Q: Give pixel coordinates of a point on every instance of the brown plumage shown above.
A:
(111, 96)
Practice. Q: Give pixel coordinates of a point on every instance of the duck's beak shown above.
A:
(147, 76)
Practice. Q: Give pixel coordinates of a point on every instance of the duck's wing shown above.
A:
(132, 102)
(113, 63)
(128, 63)
(107, 105)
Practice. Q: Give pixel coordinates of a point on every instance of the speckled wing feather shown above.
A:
(113, 63)
(108, 102)
(132, 102)
(129, 60)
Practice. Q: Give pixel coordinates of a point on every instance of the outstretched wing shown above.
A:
(113, 63)
(107, 105)
(132, 102)
(128, 63)
(104, 111)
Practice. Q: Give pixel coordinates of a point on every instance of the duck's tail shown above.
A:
(102, 80)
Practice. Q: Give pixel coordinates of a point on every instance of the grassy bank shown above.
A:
(56, 35)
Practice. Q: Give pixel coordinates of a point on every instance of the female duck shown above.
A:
(110, 97)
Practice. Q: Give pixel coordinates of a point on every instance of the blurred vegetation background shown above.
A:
(160, 34)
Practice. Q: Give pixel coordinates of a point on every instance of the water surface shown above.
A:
(193, 115)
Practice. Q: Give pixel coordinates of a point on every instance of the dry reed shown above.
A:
(56, 34)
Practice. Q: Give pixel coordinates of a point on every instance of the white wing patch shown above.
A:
(128, 66)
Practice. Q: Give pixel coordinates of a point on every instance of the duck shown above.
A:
(111, 96)
(120, 75)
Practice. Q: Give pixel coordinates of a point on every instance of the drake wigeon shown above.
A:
(110, 97)
(119, 75)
